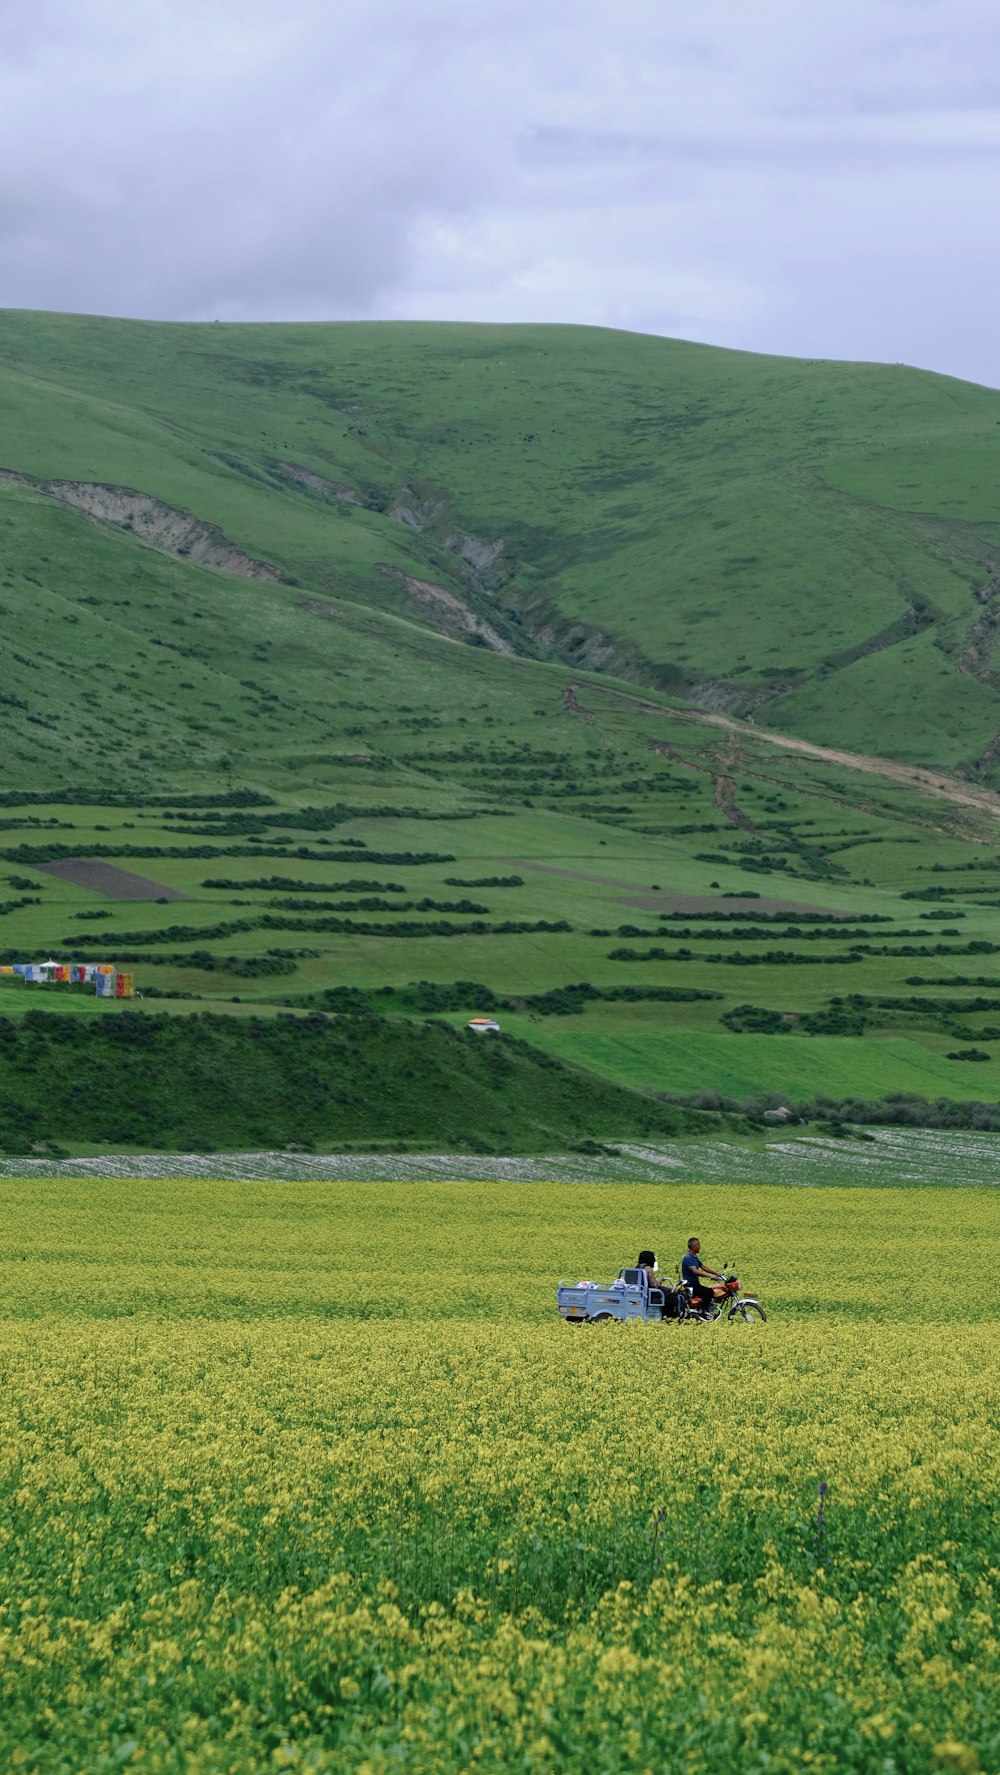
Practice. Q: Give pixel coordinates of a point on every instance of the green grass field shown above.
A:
(741, 1066)
(431, 766)
(669, 946)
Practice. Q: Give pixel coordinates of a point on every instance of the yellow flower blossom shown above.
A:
(260, 1510)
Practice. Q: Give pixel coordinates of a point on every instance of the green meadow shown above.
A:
(610, 951)
(742, 1066)
(389, 660)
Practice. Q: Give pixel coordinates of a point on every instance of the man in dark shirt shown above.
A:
(695, 1276)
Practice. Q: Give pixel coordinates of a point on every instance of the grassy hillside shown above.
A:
(356, 756)
(155, 1082)
(815, 540)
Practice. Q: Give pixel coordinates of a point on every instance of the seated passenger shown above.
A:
(647, 1262)
(659, 1290)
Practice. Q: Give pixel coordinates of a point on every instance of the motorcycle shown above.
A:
(727, 1303)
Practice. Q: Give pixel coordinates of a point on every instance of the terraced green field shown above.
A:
(390, 661)
(742, 1066)
(613, 950)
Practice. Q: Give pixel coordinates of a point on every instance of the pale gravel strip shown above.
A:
(887, 1157)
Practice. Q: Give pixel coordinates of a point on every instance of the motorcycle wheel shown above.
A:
(750, 1310)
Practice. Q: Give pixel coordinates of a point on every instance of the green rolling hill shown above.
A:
(461, 667)
(812, 543)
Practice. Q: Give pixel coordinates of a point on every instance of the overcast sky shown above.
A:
(783, 175)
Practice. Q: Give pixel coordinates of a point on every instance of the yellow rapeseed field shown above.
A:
(312, 1477)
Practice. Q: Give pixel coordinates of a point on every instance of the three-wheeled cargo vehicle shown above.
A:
(628, 1297)
(631, 1296)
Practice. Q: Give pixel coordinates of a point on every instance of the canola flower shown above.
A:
(309, 1476)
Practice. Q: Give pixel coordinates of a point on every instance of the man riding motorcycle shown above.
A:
(695, 1276)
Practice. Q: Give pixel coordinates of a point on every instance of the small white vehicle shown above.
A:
(628, 1297)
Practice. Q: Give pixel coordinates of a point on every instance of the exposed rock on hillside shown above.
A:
(414, 512)
(981, 637)
(736, 699)
(319, 483)
(480, 556)
(165, 526)
(451, 615)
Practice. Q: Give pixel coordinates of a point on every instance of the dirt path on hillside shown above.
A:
(723, 787)
(724, 796)
(910, 776)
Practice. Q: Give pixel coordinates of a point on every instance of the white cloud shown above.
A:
(780, 177)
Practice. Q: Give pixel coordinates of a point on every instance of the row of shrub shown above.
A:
(437, 927)
(32, 822)
(787, 957)
(434, 998)
(508, 927)
(899, 1109)
(855, 1014)
(755, 917)
(566, 1001)
(374, 903)
(131, 798)
(315, 819)
(776, 958)
(61, 853)
(965, 868)
(951, 980)
(761, 1020)
(286, 883)
(813, 868)
(942, 893)
(740, 933)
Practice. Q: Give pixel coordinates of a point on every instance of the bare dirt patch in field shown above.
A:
(670, 902)
(110, 883)
(723, 903)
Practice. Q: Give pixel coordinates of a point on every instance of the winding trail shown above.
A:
(909, 776)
